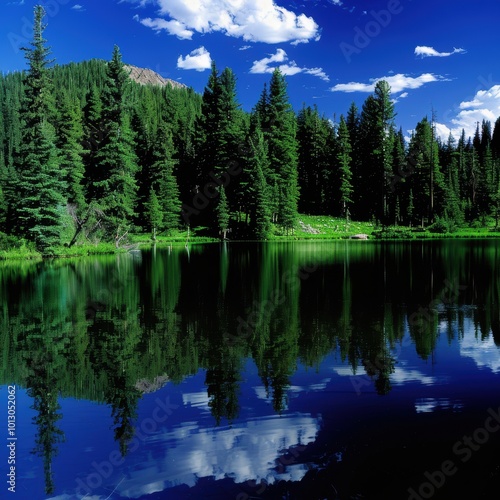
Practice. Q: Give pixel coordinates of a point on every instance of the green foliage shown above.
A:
(443, 226)
(116, 192)
(39, 184)
(154, 213)
(344, 165)
(223, 216)
(82, 171)
(282, 148)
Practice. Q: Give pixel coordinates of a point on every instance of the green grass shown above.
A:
(325, 227)
(22, 253)
(309, 227)
(179, 237)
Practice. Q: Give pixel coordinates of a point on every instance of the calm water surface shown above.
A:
(347, 370)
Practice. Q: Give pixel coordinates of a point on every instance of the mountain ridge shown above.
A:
(146, 76)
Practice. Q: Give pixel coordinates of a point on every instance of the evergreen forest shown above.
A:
(87, 155)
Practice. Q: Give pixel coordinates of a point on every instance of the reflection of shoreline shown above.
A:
(244, 451)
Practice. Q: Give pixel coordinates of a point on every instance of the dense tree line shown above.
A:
(88, 154)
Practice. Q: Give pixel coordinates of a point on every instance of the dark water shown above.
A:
(349, 370)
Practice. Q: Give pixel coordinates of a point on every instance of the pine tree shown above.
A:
(344, 167)
(220, 135)
(69, 142)
(376, 147)
(222, 213)
(154, 214)
(94, 137)
(116, 159)
(495, 140)
(40, 186)
(283, 151)
(258, 191)
(4, 209)
(452, 209)
(163, 180)
(315, 137)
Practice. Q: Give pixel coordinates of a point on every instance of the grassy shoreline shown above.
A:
(310, 228)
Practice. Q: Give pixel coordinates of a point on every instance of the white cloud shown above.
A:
(251, 20)
(199, 59)
(173, 27)
(78, 7)
(139, 3)
(398, 83)
(485, 105)
(424, 51)
(289, 68)
(404, 95)
(245, 47)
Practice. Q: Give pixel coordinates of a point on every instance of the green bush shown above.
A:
(393, 233)
(443, 226)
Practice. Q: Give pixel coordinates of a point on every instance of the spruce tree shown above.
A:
(154, 214)
(283, 155)
(163, 180)
(258, 191)
(116, 160)
(94, 137)
(69, 142)
(426, 181)
(344, 167)
(376, 147)
(495, 140)
(40, 183)
(223, 216)
(314, 137)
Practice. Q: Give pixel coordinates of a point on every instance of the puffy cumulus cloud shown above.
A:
(251, 20)
(287, 67)
(485, 105)
(398, 83)
(424, 51)
(199, 59)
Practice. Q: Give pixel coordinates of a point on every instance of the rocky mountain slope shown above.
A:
(146, 76)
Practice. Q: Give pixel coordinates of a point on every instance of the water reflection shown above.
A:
(242, 452)
(111, 330)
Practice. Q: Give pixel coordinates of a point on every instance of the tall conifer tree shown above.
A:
(283, 154)
(116, 160)
(40, 185)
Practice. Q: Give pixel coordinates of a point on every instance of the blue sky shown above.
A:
(439, 54)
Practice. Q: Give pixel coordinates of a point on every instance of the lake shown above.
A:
(305, 370)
